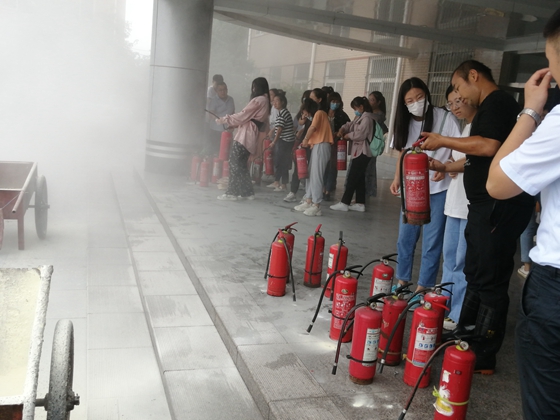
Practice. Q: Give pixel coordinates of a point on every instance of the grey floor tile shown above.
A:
(210, 394)
(116, 373)
(187, 348)
(154, 261)
(117, 330)
(111, 299)
(305, 409)
(103, 409)
(109, 256)
(111, 275)
(145, 229)
(177, 311)
(154, 407)
(150, 243)
(67, 304)
(166, 283)
(69, 277)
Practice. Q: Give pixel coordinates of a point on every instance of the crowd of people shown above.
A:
(489, 160)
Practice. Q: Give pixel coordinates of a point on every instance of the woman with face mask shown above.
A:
(415, 113)
(337, 118)
(359, 133)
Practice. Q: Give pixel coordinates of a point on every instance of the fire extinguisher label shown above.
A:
(371, 346)
(341, 155)
(381, 286)
(216, 170)
(342, 305)
(424, 345)
(442, 405)
(415, 188)
(331, 260)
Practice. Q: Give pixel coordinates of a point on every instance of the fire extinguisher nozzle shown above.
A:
(310, 327)
(334, 369)
(294, 297)
(401, 417)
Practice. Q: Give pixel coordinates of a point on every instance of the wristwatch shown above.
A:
(532, 113)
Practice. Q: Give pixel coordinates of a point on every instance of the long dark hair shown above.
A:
(322, 95)
(335, 96)
(402, 116)
(310, 106)
(259, 87)
(361, 101)
(380, 100)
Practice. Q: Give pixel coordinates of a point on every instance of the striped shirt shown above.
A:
(285, 121)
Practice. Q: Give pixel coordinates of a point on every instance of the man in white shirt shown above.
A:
(211, 92)
(220, 106)
(529, 160)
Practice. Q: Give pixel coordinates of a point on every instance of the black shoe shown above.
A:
(327, 196)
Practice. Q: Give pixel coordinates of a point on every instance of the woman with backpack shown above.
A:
(359, 132)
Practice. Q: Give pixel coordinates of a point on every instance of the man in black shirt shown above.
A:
(493, 226)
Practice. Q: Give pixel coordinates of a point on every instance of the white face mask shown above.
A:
(416, 108)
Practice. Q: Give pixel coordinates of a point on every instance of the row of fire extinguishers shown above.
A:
(376, 326)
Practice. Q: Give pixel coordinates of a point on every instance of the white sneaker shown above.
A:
(278, 189)
(302, 207)
(290, 198)
(227, 197)
(357, 207)
(313, 211)
(340, 207)
(249, 197)
(273, 185)
(449, 324)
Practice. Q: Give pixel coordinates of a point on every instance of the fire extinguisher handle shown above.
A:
(289, 226)
(318, 230)
(388, 257)
(419, 142)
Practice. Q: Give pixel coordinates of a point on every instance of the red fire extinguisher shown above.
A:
(455, 382)
(225, 144)
(256, 170)
(301, 163)
(382, 278)
(415, 186)
(341, 151)
(288, 240)
(314, 259)
(195, 166)
(267, 157)
(438, 302)
(421, 345)
(216, 170)
(338, 256)
(345, 289)
(278, 267)
(365, 345)
(225, 169)
(394, 308)
(204, 173)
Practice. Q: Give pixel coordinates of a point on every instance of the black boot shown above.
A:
(488, 337)
(467, 319)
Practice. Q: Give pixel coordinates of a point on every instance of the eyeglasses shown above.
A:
(454, 105)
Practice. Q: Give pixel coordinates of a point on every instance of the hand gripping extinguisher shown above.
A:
(365, 341)
(415, 186)
(280, 268)
(326, 286)
(301, 163)
(455, 384)
(338, 256)
(267, 157)
(216, 170)
(341, 151)
(421, 345)
(204, 173)
(289, 239)
(314, 259)
(195, 166)
(225, 144)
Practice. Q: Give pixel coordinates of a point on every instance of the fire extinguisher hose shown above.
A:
(401, 171)
(310, 272)
(291, 273)
(340, 243)
(343, 332)
(268, 259)
(428, 363)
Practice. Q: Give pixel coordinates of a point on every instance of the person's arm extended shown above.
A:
(473, 145)
(396, 184)
(499, 185)
(449, 166)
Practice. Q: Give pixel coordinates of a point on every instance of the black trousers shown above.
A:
(283, 160)
(356, 180)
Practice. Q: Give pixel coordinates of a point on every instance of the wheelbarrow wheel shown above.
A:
(61, 399)
(41, 207)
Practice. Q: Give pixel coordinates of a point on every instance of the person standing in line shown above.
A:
(319, 138)
(220, 106)
(283, 143)
(456, 210)
(252, 120)
(414, 111)
(528, 161)
(337, 118)
(322, 99)
(211, 92)
(359, 133)
(493, 226)
(379, 109)
(301, 125)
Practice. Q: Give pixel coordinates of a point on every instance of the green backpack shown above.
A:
(377, 143)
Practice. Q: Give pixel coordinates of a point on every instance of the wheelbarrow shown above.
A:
(18, 182)
(24, 297)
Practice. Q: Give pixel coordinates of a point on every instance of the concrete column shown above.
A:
(181, 38)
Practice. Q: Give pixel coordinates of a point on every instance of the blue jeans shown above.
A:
(537, 344)
(526, 238)
(432, 244)
(454, 249)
